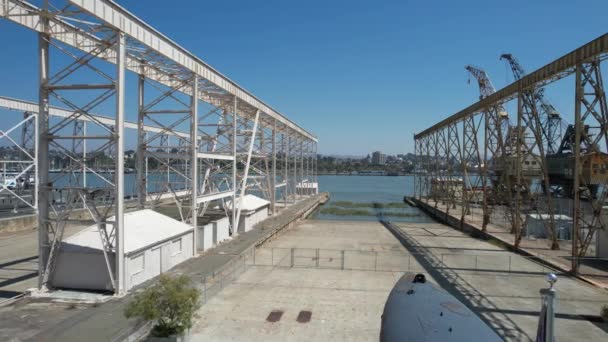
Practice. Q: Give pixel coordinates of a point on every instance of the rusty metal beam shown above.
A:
(553, 71)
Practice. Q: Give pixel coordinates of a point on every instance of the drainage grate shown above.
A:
(274, 316)
(304, 316)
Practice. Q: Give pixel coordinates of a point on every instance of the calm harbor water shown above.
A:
(347, 194)
(366, 190)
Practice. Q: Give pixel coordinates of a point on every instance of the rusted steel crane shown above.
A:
(502, 162)
(496, 119)
(560, 160)
(550, 117)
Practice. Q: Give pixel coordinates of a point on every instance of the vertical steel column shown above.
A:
(579, 97)
(119, 167)
(243, 186)
(484, 170)
(415, 164)
(308, 164)
(316, 167)
(317, 162)
(168, 150)
(302, 169)
(273, 177)
(42, 183)
(295, 166)
(518, 180)
(84, 154)
(234, 164)
(285, 148)
(141, 138)
(194, 159)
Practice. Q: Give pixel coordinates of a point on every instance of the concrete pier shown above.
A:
(342, 271)
(307, 280)
(51, 320)
(592, 270)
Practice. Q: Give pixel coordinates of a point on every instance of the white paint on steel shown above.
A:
(247, 164)
(26, 106)
(118, 17)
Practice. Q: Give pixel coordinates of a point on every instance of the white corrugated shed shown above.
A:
(249, 203)
(154, 243)
(307, 188)
(213, 233)
(253, 210)
(536, 226)
(602, 237)
(142, 228)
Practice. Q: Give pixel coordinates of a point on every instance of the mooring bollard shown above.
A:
(545, 331)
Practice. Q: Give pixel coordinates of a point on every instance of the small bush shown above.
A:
(604, 312)
(171, 302)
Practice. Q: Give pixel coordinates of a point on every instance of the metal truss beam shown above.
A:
(553, 71)
(31, 107)
(264, 150)
(168, 57)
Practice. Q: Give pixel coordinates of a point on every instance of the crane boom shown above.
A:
(485, 85)
(550, 117)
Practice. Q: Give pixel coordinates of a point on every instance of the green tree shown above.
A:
(171, 302)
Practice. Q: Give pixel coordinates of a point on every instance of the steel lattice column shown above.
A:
(472, 159)
(53, 134)
(531, 118)
(591, 146)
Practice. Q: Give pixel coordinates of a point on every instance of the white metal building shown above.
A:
(307, 188)
(154, 243)
(213, 233)
(253, 210)
(536, 226)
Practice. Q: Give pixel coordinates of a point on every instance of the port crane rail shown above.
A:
(467, 157)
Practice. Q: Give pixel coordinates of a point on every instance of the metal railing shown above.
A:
(213, 282)
(394, 261)
(498, 263)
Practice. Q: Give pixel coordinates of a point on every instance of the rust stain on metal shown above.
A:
(304, 316)
(274, 316)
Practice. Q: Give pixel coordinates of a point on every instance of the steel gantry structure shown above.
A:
(201, 138)
(453, 154)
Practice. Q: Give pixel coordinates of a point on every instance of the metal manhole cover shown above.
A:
(304, 316)
(274, 316)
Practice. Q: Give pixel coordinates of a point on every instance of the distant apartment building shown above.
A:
(378, 158)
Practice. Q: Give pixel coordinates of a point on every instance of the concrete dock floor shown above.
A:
(593, 269)
(46, 319)
(19, 261)
(342, 271)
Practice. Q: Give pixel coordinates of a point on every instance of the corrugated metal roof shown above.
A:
(142, 228)
(249, 203)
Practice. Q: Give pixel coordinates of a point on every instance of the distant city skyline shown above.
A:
(361, 76)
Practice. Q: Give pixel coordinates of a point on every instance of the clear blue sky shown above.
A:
(361, 75)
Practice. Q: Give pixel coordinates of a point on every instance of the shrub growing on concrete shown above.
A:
(604, 312)
(171, 303)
